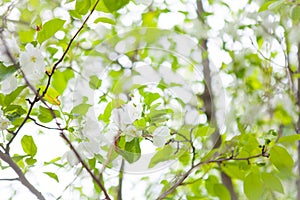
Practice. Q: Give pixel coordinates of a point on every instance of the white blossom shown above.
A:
(131, 133)
(32, 64)
(160, 136)
(9, 84)
(4, 122)
(126, 115)
(13, 49)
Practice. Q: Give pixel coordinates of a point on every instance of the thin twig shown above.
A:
(6, 158)
(9, 179)
(43, 126)
(121, 174)
(219, 160)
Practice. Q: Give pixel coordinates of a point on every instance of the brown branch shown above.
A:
(121, 174)
(209, 104)
(219, 160)
(6, 158)
(9, 179)
(298, 125)
(68, 48)
(43, 126)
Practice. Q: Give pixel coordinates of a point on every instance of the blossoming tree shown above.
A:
(129, 99)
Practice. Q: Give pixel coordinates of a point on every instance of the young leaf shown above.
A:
(28, 145)
(13, 95)
(222, 192)
(132, 151)
(282, 160)
(272, 182)
(253, 186)
(51, 96)
(105, 20)
(52, 175)
(80, 109)
(49, 29)
(45, 114)
(95, 82)
(162, 155)
(295, 13)
(60, 80)
(114, 5)
(82, 6)
(6, 71)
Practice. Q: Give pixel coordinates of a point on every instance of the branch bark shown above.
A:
(219, 161)
(6, 158)
(208, 98)
(298, 125)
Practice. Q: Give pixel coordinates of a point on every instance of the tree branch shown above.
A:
(208, 98)
(121, 174)
(6, 158)
(298, 125)
(219, 160)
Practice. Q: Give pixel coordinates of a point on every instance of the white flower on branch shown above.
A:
(9, 84)
(4, 122)
(160, 136)
(13, 49)
(32, 64)
(131, 133)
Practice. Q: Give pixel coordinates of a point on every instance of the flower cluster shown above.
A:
(4, 122)
(31, 62)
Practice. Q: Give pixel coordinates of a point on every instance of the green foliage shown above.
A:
(49, 29)
(6, 71)
(114, 5)
(130, 151)
(253, 186)
(82, 6)
(45, 115)
(281, 159)
(52, 175)
(164, 154)
(28, 145)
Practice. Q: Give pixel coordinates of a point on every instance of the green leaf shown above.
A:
(6, 71)
(281, 159)
(60, 80)
(13, 95)
(28, 145)
(209, 184)
(272, 182)
(253, 186)
(289, 138)
(265, 6)
(162, 155)
(115, 103)
(295, 13)
(82, 6)
(13, 112)
(52, 175)
(222, 192)
(80, 109)
(49, 29)
(202, 131)
(45, 114)
(30, 161)
(132, 151)
(27, 36)
(105, 20)
(95, 82)
(100, 6)
(150, 97)
(114, 5)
